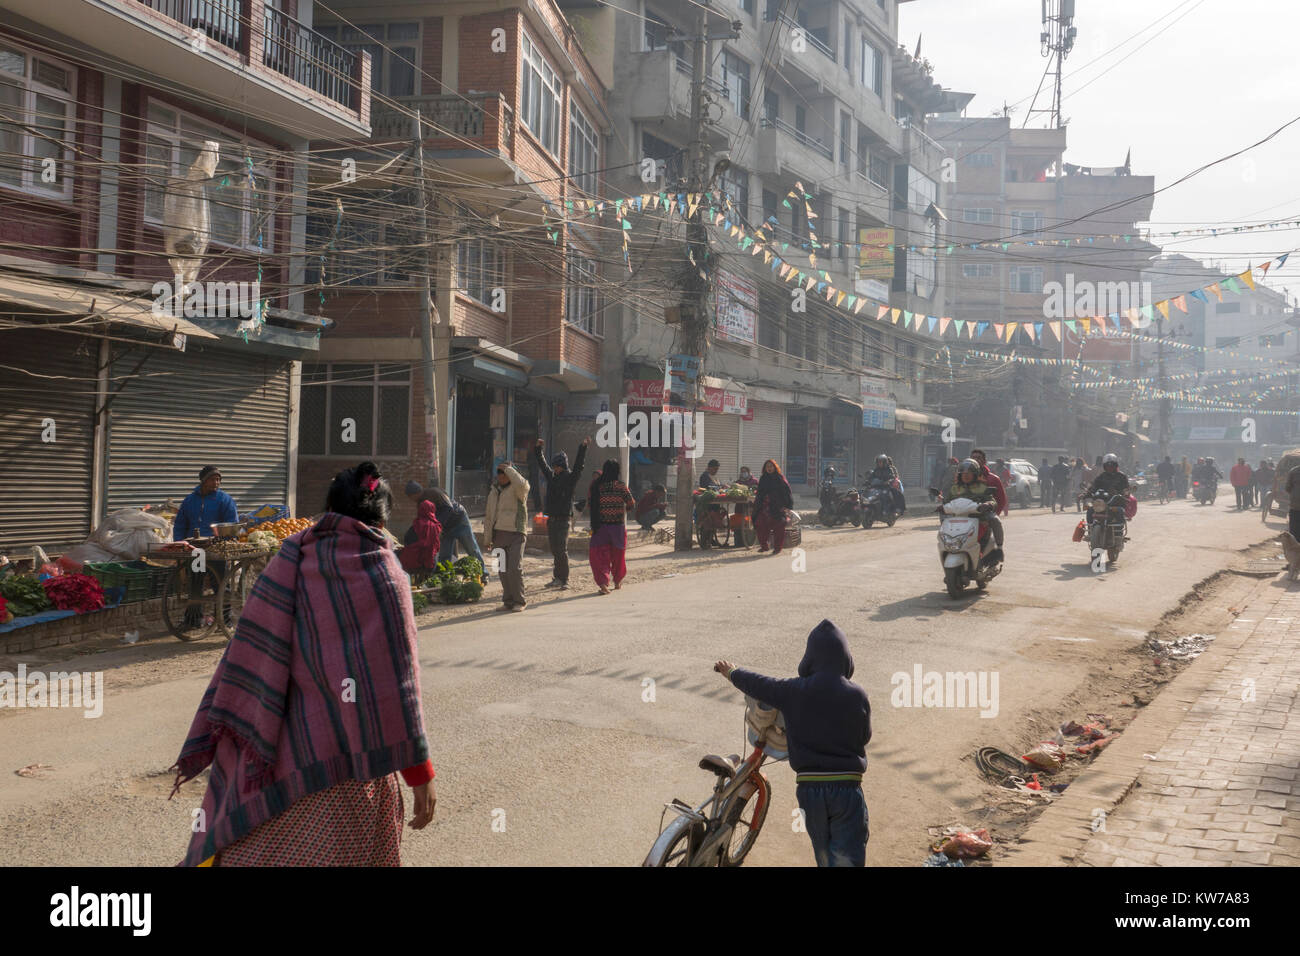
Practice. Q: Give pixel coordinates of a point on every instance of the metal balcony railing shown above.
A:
(456, 116)
(685, 69)
(816, 145)
(220, 20)
(787, 21)
(300, 53)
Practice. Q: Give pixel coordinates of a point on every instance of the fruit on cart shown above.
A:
(263, 539)
(285, 527)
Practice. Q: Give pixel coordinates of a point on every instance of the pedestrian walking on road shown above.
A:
(1184, 476)
(505, 526)
(560, 485)
(771, 503)
(302, 773)
(610, 502)
(1241, 478)
(828, 727)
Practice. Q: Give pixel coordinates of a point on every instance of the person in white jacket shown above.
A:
(505, 526)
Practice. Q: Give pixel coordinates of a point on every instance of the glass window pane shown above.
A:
(226, 194)
(51, 121)
(11, 133)
(401, 73)
(352, 402)
(403, 31)
(394, 373)
(162, 116)
(13, 61)
(53, 76)
(394, 420)
(159, 161)
(311, 419)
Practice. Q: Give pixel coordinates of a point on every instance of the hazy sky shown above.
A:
(1204, 79)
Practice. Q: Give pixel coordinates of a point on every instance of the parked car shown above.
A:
(1024, 483)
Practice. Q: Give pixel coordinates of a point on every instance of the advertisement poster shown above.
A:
(680, 375)
(736, 307)
(877, 407)
(875, 257)
(649, 393)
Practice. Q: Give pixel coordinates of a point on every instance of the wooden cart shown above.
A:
(196, 603)
(724, 522)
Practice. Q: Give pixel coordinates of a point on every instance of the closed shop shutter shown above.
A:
(184, 411)
(45, 487)
(764, 437)
(721, 441)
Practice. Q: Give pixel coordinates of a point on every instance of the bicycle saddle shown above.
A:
(722, 766)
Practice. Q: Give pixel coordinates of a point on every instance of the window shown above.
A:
(905, 361)
(978, 214)
(584, 152)
(542, 93)
(1023, 220)
(771, 106)
(377, 397)
(979, 159)
(735, 77)
(746, 5)
(846, 123)
(1227, 343)
(735, 183)
(36, 117)
(977, 270)
(1026, 279)
(1227, 308)
(922, 268)
(656, 36)
(480, 268)
(873, 69)
(922, 191)
(873, 347)
(844, 232)
(240, 198)
(582, 307)
(848, 48)
(392, 48)
(669, 159)
(878, 171)
(770, 205)
(376, 241)
(1272, 341)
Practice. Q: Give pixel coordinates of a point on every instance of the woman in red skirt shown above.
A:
(609, 501)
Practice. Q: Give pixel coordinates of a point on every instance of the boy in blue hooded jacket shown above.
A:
(828, 726)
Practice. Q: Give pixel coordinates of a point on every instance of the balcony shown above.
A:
(784, 20)
(242, 55)
(816, 145)
(453, 122)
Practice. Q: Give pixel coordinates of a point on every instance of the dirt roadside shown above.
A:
(1118, 688)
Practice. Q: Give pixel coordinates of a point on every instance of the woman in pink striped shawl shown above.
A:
(314, 708)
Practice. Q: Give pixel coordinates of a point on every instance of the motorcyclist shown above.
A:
(1111, 481)
(970, 483)
(1212, 472)
(887, 475)
(999, 493)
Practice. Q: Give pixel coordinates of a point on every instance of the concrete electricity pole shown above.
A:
(426, 312)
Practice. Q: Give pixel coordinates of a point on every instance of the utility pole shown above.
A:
(426, 312)
(695, 316)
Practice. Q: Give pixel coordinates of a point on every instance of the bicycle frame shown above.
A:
(709, 832)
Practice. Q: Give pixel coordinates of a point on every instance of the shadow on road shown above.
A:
(1072, 571)
(932, 604)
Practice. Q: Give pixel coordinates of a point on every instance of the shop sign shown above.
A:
(582, 407)
(877, 407)
(736, 307)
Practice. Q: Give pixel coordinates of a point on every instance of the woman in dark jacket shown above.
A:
(609, 502)
(770, 505)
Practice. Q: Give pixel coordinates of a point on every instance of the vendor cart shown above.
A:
(196, 603)
(723, 522)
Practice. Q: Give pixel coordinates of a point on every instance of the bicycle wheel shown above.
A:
(746, 816)
(673, 848)
(188, 602)
(235, 588)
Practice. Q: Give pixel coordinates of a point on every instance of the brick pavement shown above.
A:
(1224, 788)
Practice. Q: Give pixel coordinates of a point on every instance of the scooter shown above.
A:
(836, 507)
(1205, 491)
(1107, 526)
(878, 503)
(966, 546)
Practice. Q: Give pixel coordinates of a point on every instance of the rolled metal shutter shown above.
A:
(184, 411)
(764, 437)
(721, 441)
(45, 487)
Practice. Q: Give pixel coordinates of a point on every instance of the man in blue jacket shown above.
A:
(205, 506)
(827, 725)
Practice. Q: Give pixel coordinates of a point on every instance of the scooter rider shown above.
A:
(999, 493)
(970, 483)
(1111, 481)
(886, 473)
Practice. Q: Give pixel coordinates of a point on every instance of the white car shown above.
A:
(1024, 489)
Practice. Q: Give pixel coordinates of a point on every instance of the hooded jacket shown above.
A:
(506, 508)
(827, 716)
(560, 487)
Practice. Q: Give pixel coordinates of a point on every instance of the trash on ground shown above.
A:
(963, 844)
(33, 770)
(1048, 755)
(1181, 648)
(999, 765)
(940, 859)
(130, 637)
(1096, 745)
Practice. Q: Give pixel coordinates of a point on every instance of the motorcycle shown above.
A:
(838, 507)
(1107, 525)
(966, 546)
(878, 503)
(1205, 490)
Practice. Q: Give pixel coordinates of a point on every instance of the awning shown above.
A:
(910, 417)
(1116, 432)
(839, 403)
(56, 298)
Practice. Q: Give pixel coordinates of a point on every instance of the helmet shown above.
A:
(1210, 460)
(882, 461)
(828, 472)
(971, 465)
(1110, 460)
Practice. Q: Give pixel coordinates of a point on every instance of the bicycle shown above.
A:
(723, 829)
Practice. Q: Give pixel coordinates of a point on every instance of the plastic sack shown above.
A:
(1047, 755)
(1130, 507)
(1080, 530)
(966, 846)
(769, 723)
(124, 534)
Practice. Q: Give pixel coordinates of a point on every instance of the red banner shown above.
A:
(649, 393)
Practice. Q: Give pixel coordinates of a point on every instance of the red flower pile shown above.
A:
(74, 592)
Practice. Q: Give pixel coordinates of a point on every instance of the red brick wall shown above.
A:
(374, 313)
(582, 350)
(537, 308)
(431, 58)
(471, 318)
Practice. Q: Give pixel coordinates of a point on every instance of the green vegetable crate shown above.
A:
(142, 581)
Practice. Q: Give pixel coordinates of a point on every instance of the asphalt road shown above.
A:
(550, 750)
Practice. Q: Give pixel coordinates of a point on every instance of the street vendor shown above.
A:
(205, 506)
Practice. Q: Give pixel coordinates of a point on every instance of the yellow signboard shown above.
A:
(875, 255)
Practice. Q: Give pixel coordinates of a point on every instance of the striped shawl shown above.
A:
(320, 684)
